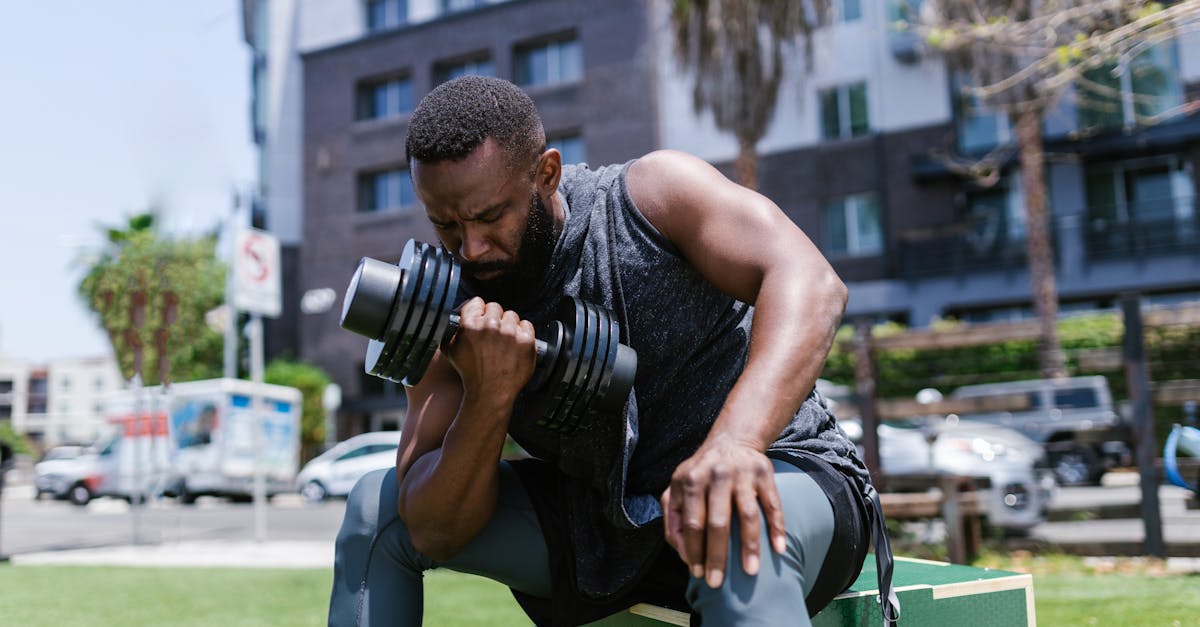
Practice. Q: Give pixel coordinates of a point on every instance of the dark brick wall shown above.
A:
(803, 181)
(613, 107)
(281, 335)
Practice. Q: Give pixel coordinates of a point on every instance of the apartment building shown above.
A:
(863, 153)
(59, 401)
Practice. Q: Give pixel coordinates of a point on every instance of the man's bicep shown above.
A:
(432, 406)
(731, 234)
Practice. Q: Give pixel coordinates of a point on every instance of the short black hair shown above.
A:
(457, 116)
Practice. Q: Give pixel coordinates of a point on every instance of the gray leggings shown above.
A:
(378, 575)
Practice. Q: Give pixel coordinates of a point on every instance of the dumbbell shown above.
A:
(408, 310)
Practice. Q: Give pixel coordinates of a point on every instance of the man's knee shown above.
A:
(365, 504)
(776, 594)
(372, 524)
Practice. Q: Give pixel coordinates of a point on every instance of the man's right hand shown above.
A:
(493, 350)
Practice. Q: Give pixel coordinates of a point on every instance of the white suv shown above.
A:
(1072, 418)
(334, 472)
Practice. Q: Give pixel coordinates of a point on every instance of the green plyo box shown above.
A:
(930, 593)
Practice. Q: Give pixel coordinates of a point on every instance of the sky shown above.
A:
(108, 108)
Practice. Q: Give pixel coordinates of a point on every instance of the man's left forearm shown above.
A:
(795, 321)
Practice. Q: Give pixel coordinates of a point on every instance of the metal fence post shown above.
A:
(1138, 377)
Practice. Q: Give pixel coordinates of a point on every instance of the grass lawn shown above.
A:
(1067, 592)
(1117, 600)
(35, 596)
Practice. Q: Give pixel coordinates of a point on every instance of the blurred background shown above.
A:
(1004, 189)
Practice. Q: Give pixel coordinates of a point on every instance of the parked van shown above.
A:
(1073, 418)
(199, 438)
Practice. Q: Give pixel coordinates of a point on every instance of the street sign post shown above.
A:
(256, 284)
(257, 289)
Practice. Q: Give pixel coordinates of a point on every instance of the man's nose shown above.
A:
(474, 244)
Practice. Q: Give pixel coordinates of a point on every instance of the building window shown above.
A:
(454, 6)
(6, 386)
(385, 14)
(384, 99)
(389, 190)
(1107, 98)
(6, 411)
(478, 66)
(844, 111)
(65, 384)
(852, 226)
(571, 147)
(548, 63)
(996, 219)
(848, 10)
(901, 13)
(980, 127)
(1140, 205)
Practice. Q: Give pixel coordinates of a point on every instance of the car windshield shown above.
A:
(62, 453)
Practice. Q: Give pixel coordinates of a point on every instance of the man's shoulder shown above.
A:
(582, 175)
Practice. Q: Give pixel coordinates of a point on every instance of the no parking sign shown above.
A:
(256, 284)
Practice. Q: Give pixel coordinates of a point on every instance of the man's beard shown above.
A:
(520, 278)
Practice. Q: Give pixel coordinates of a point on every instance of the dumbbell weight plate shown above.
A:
(584, 330)
(574, 412)
(597, 343)
(431, 308)
(604, 381)
(382, 351)
(571, 312)
(600, 366)
(417, 307)
(447, 278)
(587, 392)
(423, 310)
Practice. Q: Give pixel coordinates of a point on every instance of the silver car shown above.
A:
(66, 472)
(334, 472)
(1021, 483)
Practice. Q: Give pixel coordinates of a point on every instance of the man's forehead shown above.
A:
(465, 189)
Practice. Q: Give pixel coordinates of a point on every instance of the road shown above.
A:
(29, 526)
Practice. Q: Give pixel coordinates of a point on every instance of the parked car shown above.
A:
(334, 472)
(1020, 483)
(64, 473)
(1073, 419)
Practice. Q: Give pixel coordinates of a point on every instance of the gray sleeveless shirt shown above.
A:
(692, 342)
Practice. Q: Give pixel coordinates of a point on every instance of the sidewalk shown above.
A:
(195, 554)
(187, 554)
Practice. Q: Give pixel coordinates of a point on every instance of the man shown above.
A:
(723, 452)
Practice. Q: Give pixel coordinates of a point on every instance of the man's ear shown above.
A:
(548, 172)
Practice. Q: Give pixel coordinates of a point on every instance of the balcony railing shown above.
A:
(957, 249)
(1157, 227)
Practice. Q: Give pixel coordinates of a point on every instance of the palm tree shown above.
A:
(149, 293)
(737, 51)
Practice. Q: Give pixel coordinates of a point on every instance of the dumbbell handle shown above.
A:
(546, 354)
